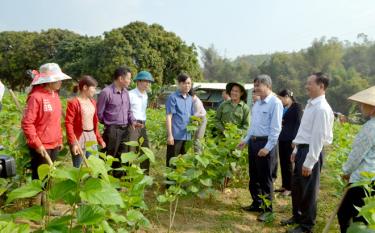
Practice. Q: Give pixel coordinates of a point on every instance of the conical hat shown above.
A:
(366, 96)
(48, 73)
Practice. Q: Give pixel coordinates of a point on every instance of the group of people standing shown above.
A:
(277, 121)
(122, 112)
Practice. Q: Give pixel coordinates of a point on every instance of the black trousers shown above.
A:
(285, 150)
(135, 135)
(305, 190)
(347, 212)
(260, 172)
(115, 137)
(174, 150)
(275, 164)
(37, 160)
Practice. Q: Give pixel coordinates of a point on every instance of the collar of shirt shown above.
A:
(115, 90)
(267, 99)
(139, 93)
(316, 100)
(181, 95)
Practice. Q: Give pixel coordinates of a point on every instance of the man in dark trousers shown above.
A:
(262, 139)
(314, 132)
(114, 112)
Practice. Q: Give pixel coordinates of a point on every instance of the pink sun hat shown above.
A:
(48, 73)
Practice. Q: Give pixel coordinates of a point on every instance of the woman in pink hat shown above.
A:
(41, 122)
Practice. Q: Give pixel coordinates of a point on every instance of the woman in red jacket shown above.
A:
(41, 122)
(81, 120)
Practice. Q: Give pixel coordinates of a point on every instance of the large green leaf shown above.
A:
(150, 155)
(59, 224)
(70, 173)
(202, 160)
(29, 190)
(61, 189)
(128, 157)
(206, 182)
(96, 191)
(43, 171)
(35, 213)
(98, 167)
(90, 214)
(132, 143)
(10, 227)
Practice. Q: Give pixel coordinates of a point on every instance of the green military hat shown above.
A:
(144, 75)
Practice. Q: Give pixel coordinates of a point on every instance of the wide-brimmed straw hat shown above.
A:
(48, 73)
(229, 87)
(366, 96)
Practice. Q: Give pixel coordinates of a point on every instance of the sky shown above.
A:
(235, 28)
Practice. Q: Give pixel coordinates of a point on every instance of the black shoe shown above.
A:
(298, 229)
(289, 221)
(265, 216)
(252, 208)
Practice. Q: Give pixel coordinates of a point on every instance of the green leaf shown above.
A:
(150, 155)
(90, 144)
(203, 161)
(141, 140)
(90, 214)
(162, 198)
(11, 227)
(206, 182)
(59, 224)
(29, 190)
(135, 216)
(97, 167)
(117, 217)
(96, 191)
(128, 157)
(61, 189)
(43, 171)
(70, 173)
(193, 189)
(107, 228)
(132, 143)
(35, 213)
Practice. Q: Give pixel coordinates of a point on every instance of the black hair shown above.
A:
(192, 92)
(321, 78)
(286, 92)
(86, 80)
(181, 78)
(120, 71)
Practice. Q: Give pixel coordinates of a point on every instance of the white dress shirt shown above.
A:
(138, 104)
(2, 90)
(315, 129)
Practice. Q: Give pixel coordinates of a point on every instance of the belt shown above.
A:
(120, 126)
(141, 122)
(258, 138)
(85, 130)
(301, 146)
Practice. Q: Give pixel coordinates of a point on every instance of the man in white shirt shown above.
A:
(2, 90)
(138, 105)
(315, 131)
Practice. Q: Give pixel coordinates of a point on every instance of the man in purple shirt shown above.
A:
(114, 112)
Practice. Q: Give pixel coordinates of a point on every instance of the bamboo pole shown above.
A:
(334, 213)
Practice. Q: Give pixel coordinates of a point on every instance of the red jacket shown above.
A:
(41, 121)
(73, 122)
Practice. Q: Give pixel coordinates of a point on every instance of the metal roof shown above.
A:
(218, 86)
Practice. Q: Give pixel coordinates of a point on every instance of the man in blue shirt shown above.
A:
(262, 138)
(179, 108)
